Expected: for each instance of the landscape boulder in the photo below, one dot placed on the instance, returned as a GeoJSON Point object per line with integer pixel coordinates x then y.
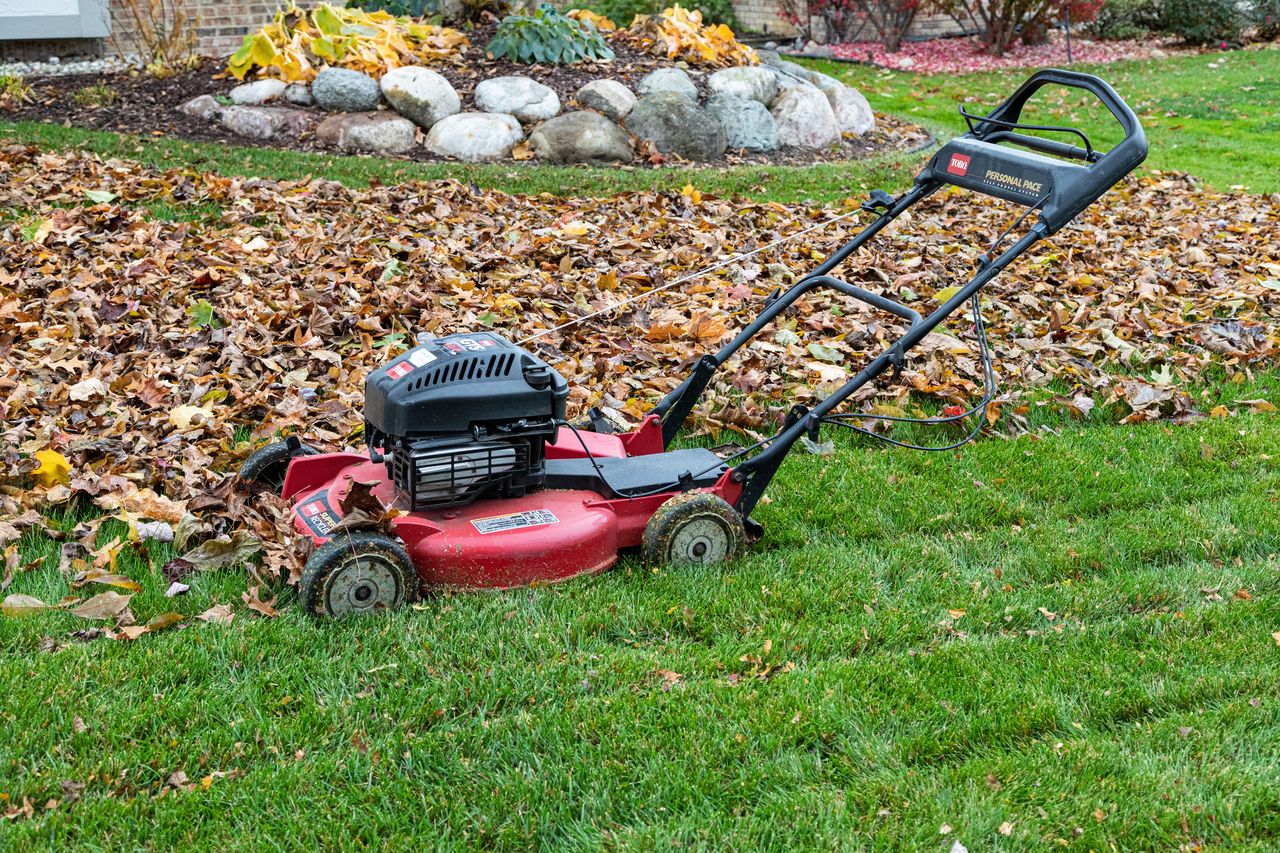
{"type": "Point", "coordinates": [668, 80]}
{"type": "Point", "coordinates": [750, 82]}
{"type": "Point", "coordinates": [852, 111]}
{"type": "Point", "coordinates": [475, 136]}
{"type": "Point", "coordinates": [581, 137]}
{"type": "Point", "coordinates": [525, 98]}
{"type": "Point", "coordinates": [202, 107]}
{"type": "Point", "coordinates": [370, 132]}
{"type": "Point", "coordinates": [299, 94]}
{"type": "Point", "coordinates": [420, 95]}
{"type": "Point", "coordinates": [607, 97]}
{"type": "Point", "coordinates": [747, 123]}
{"type": "Point", "coordinates": [257, 92]}
{"type": "Point", "coordinates": [805, 119]}
{"type": "Point", "coordinates": [677, 125]}
{"type": "Point", "coordinates": [341, 90]}
{"type": "Point", "coordinates": [265, 122]}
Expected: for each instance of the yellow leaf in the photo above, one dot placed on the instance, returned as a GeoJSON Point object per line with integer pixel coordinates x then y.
{"type": "Point", "coordinates": [1220, 412]}
{"type": "Point", "coordinates": [690, 193]}
{"type": "Point", "coordinates": [945, 294]}
{"type": "Point", "coordinates": [186, 417]}
{"type": "Point", "coordinates": [522, 152]}
{"type": "Point", "coordinates": [53, 470]}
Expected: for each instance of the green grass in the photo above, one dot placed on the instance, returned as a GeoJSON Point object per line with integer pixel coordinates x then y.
{"type": "Point", "coordinates": [1218, 123]}
{"type": "Point", "coordinates": [1111, 680]}
{"type": "Point", "coordinates": [1212, 115]}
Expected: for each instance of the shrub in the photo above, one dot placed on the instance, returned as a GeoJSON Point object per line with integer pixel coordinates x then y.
{"type": "Point", "coordinates": [163, 36]}
{"type": "Point", "coordinates": [680, 34]}
{"type": "Point", "coordinates": [1203, 21]}
{"type": "Point", "coordinates": [547, 36]}
{"type": "Point", "coordinates": [624, 12]}
{"type": "Point", "coordinates": [1265, 17]}
{"type": "Point", "coordinates": [999, 23]}
{"type": "Point", "coordinates": [293, 44]}
{"type": "Point", "coordinates": [465, 10]}
{"type": "Point", "coordinates": [1125, 19]}
{"type": "Point", "coordinates": [97, 95]}
{"type": "Point", "coordinates": [13, 90]}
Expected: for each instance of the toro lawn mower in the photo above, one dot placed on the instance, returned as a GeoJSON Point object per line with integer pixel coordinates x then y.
{"type": "Point", "coordinates": [467, 434]}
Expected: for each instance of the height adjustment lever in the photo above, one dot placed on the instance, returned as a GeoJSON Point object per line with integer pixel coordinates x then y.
{"type": "Point", "coordinates": [879, 201]}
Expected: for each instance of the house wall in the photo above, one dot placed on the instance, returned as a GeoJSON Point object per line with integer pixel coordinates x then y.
{"type": "Point", "coordinates": [220, 24]}
{"type": "Point", "coordinates": [763, 16]}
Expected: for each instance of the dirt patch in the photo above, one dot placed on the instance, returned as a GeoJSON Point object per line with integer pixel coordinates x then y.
{"type": "Point", "coordinates": [148, 105]}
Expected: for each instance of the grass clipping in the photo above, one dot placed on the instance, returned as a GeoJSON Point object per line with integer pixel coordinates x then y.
{"type": "Point", "coordinates": [296, 43]}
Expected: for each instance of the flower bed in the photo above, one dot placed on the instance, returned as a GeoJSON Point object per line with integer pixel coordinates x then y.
{"type": "Point", "coordinates": [963, 55]}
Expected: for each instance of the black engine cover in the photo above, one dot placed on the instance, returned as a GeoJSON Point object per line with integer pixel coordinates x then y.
{"type": "Point", "coordinates": [450, 385]}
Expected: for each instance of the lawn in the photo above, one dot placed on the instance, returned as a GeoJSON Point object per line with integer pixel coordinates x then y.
{"type": "Point", "coordinates": [1068, 638]}
{"type": "Point", "coordinates": [1067, 635]}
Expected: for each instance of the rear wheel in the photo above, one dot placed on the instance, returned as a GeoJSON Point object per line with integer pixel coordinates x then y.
{"type": "Point", "coordinates": [358, 573]}
{"type": "Point", "coordinates": [696, 527]}
{"type": "Point", "coordinates": [265, 468]}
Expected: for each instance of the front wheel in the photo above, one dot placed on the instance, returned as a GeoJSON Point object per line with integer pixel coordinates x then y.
{"type": "Point", "coordinates": [361, 572]}
{"type": "Point", "coordinates": [696, 527]}
{"type": "Point", "coordinates": [264, 469]}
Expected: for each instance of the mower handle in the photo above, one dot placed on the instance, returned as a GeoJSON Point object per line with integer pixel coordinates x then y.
{"type": "Point", "coordinates": [1011, 110]}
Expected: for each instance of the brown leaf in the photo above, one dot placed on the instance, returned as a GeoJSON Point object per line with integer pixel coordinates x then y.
{"type": "Point", "coordinates": [256, 604]}
{"type": "Point", "coordinates": [104, 605]}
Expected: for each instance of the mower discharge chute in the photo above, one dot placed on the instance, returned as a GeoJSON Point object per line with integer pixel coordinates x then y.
{"type": "Point", "coordinates": [467, 435]}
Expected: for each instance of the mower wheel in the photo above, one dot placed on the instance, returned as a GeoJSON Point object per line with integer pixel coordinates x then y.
{"type": "Point", "coordinates": [696, 527]}
{"type": "Point", "coordinates": [265, 468]}
{"type": "Point", "coordinates": [361, 572]}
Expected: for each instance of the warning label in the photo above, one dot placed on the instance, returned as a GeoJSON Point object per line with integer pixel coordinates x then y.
{"type": "Point", "coordinates": [316, 513]}
{"type": "Point", "coordinates": [400, 370]}
{"type": "Point", "coordinates": [514, 521]}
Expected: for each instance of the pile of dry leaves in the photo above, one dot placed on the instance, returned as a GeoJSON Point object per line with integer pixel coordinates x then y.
{"type": "Point", "coordinates": [141, 359]}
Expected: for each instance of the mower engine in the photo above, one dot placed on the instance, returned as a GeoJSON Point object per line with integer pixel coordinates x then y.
{"type": "Point", "coordinates": [463, 417]}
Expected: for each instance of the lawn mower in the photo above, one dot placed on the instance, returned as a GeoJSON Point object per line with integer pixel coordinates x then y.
{"type": "Point", "coordinates": [466, 434]}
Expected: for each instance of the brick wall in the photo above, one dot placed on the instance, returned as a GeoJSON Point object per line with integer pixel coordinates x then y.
{"type": "Point", "coordinates": [220, 24]}
{"type": "Point", "coordinates": [764, 16]}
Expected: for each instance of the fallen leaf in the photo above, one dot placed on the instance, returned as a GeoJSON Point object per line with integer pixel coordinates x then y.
{"type": "Point", "coordinates": [53, 470]}
{"type": "Point", "coordinates": [18, 605]}
{"type": "Point", "coordinates": [218, 614]}
{"type": "Point", "coordinates": [104, 605]}
{"type": "Point", "coordinates": [256, 604]}
{"type": "Point", "coordinates": [222, 552]}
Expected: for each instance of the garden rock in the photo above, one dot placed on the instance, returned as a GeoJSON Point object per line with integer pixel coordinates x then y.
{"type": "Point", "coordinates": [373, 132]}
{"type": "Point", "coordinates": [300, 94]}
{"type": "Point", "coordinates": [420, 95]}
{"type": "Point", "coordinates": [750, 82]}
{"type": "Point", "coordinates": [852, 111]}
{"type": "Point", "coordinates": [747, 123]}
{"type": "Point", "coordinates": [265, 122]}
{"type": "Point", "coordinates": [608, 97]}
{"type": "Point", "coordinates": [676, 125]}
{"type": "Point", "coordinates": [257, 92]}
{"type": "Point", "coordinates": [526, 99]}
{"type": "Point", "coordinates": [581, 137]}
{"type": "Point", "coordinates": [805, 119]}
{"type": "Point", "coordinates": [475, 136]}
{"type": "Point", "coordinates": [668, 80]}
{"type": "Point", "coordinates": [341, 90]}
{"type": "Point", "coordinates": [203, 107]}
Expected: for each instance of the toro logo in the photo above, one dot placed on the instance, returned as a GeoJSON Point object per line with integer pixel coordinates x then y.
{"type": "Point", "coordinates": [959, 164]}
{"type": "Point", "coordinates": [397, 371]}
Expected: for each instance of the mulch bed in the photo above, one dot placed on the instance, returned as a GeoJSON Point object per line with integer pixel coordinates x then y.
{"type": "Point", "coordinates": [965, 55]}
{"type": "Point", "coordinates": [148, 105]}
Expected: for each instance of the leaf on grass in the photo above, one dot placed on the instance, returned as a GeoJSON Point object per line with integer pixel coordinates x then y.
{"type": "Point", "coordinates": [220, 553]}
{"type": "Point", "coordinates": [100, 196]}
{"type": "Point", "coordinates": [119, 581]}
{"type": "Point", "coordinates": [218, 614]}
{"type": "Point", "coordinates": [104, 605]}
{"type": "Point", "coordinates": [18, 605]}
{"type": "Point", "coordinates": [254, 602]}
{"type": "Point", "coordinates": [53, 470]}
{"type": "Point", "coordinates": [156, 623]}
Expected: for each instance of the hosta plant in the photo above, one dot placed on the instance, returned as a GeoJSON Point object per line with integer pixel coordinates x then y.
{"type": "Point", "coordinates": [547, 35]}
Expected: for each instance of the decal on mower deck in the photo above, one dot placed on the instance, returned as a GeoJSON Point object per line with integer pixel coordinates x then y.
{"type": "Point", "coordinates": [420, 357]}
{"type": "Point", "coordinates": [317, 514]}
{"type": "Point", "coordinates": [514, 521]}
